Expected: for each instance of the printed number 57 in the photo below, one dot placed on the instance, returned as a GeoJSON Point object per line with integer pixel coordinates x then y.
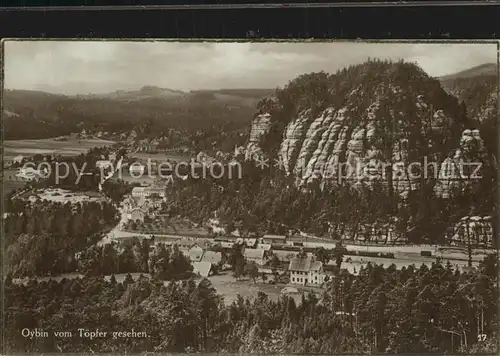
{"type": "Point", "coordinates": [481, 337]}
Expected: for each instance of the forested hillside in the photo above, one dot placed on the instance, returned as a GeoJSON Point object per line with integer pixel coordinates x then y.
{"type": "Point", "coordinates": [382, 310]}
{"type": "Point", "coordinates": [151, 111]}
{"type": "Point", "coordinates": [478, 89]}
{"type": "Point", "coordinates": [372, 114]}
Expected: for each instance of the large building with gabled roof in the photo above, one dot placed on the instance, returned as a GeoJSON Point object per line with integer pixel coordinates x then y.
{"type": "Point", "coordinates": [306, 271]}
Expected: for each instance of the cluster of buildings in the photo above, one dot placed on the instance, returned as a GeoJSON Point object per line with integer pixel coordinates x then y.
{"type": "Point", "coordinates": [204, 260]}
{"type": "Point", "coordinates": [144, 202]}
{"type": "Point", "coordinates": [303, 270]}
{"type": "Point", "coordinates": [205, 254]}
{"type": "Point", "coordinates": [149, 146]}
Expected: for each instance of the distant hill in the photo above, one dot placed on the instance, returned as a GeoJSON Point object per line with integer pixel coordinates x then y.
{"type": "Point", "coordinates": [477, 88]}
{"type": "Point", "coordinates": [146, 92]}
{"type": "Point", "coordinates": [42, 115]}
{"type": "Point", "coordinates": [483, 69]}
{"type": "Point", "coordinates": [231, 96]}
{"type": "Point", "coordinates": [243, 93]}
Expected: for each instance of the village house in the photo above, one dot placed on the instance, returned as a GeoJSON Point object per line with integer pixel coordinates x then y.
{"type": "Point", "coordinates": [155, 201]}
{"type": "Point", "coordinates": [306, 271]}
{"type": "Point", "coordinates": [137, 214]}
{"type": "Point", "coordinates": [226, 241]}
{"type": "Point", "coordinates": [187, 243]}
{"type": "Point", "coordinates": [128, 203]}
{"type": "Point", "coordinates": [265, 247]}
{"type": "Point", "coordinates": [33, 198]}
{"type": "Point", "coordinates": [195, 253]}
{"type": "Point", "coordinates": [274, 239]}
{"type": "Point", "coordinates": [140, 192]}
{"type": "Point", "coordinates": [213, 257]}
{"type": "Point", "coordinates": [103, 164]}
{"type": "Point", "coordinates": [18, 160]}
{"type": "Point", "coordinates": [251, 243]}
{"type": "Point", "coordinates": [132, 136]}
{"type": "Point", "coordinates": [255, 255]}
{"type": "Point", "coordinates": [136, 169]}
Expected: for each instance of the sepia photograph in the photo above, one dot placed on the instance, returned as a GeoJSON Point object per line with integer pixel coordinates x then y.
{"type": "Point", "coordinates": [278, 197]}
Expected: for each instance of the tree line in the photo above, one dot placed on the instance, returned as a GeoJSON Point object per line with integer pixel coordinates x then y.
{"type": "Point", "coordinates": [422, 310]}
{"type": "Point", "coordinates": [267, 201]}
{"type": "Point", "coordinates": [160, 261]}
{"type": "Point", "coordinates": [42, 238]}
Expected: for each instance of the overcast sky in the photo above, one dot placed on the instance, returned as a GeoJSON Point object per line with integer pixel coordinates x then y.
{"type": "Point", "coordinates": [73, 67]}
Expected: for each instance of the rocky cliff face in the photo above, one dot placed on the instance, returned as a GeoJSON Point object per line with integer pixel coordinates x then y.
{"type": "Point", "coordinates": [392, 132]}
{"type": "Point", "coordinates": [260, 126]}
{"type": "Point", "coordinates": [476, 229]}
{"type": "Point", "coordinates": [385, 123]}
{"type": "Point", "coordinates": [465, 166]}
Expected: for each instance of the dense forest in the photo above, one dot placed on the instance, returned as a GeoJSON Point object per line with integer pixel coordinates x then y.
{"type": "Point", "coordinates": [268, 201]}
{"type": "Point", "coordinates": [162, 262]}
{"type": "Point", "coordinates": [480, 94]}
{"type": "Point", "coordinates": [42, 239]}
{"type": "Point", "coordinates": [272, 202]}
{"type": "Point", "coordinates": [413, 310]}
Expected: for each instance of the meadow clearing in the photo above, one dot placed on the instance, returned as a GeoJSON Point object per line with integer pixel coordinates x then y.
{"type": "Point", "coordinates": [27, 148]}
{"type": "Point", "coordinates": [71, 147]}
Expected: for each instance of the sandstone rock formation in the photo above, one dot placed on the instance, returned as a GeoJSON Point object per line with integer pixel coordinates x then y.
{"type": "Point", "coordinates": [476, 229]}
{"type": "Point", "coordinates": [260, 126]}
{"type": "Point", "coordinates": [397, 132]}
{"type": "Point", "coordinates": [464, 166]}
{"type": "Point", "coordinates": [337, 145]}
{"type": "Point", "coordinates": [381, 125]}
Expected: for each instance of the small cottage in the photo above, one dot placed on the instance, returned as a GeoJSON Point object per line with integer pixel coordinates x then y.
{"type": "Point", "coordinates": [213, 257]}
{"type": "Point", "coordinates": [137, 214]}
{"type": "Point", "coordinates": [255, 255]}
{"type": "Point", "coordinates": [195, 253]}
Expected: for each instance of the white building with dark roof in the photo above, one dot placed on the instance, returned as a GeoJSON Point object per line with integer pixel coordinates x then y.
{"type": "Point", "coordinates": [306, 271]}
{"type": "Point", "coordinates": [144, 192]}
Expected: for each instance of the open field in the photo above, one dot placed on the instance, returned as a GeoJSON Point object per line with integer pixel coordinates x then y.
{"type": "Point", "coordinates": [58, 195]}
{"type": "Point", "coordinates": [124, 175]}
{"type": "Point", "coordinates": [227, 286]}
{"type": "Point", "coordinates": [72, 147]}
{"type": "Point", "coordinates": [161, 156]}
